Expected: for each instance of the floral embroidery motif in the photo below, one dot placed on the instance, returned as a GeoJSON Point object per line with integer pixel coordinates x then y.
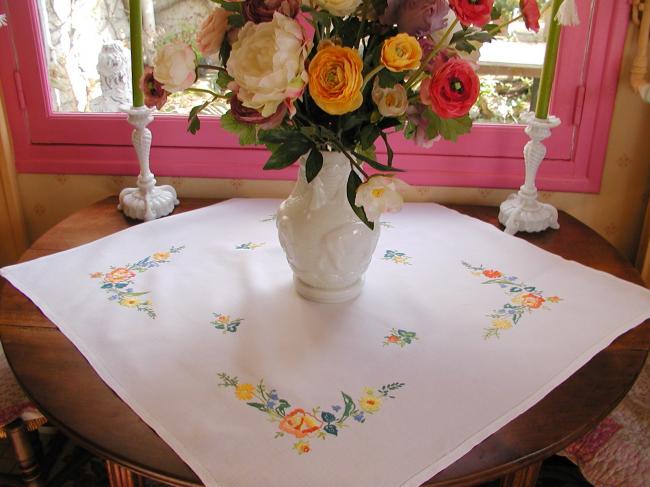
{"type": "Point", "coordinates": [397, 257]}
{"type": "Point", "coordinates": [224, 323]}
{"type": "Point", "coordinates": [249, 246]}
{"type": "Point", "coordinates": [118, 281]}
{"type": "Point", "coordinates": [400, 337]}
{"type": "Point", "coordinates": [524, 299]}
{"type": "Point", "coordinates": [304, 425]}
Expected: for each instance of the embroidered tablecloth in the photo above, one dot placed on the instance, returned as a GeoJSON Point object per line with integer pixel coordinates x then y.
{"type": "Point", "coordinates": [193, 321]}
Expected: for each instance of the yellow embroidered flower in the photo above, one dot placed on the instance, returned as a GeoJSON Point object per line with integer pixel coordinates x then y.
{"type": "Point", "coordinates": [554, 299]}
{"type": "Point", "coordinates": [245, 392]}
{"type": "Point", "coordinates": [223, 319]}
{"type": "Point", "coordinates": [95, 275]}
{"type": "Point", "coordinates": [401, 53]}
{"type": "Point", "coordinates": [335, 79]}
{"type": "Point", "coordinates": [501, 323]}
{"type": "Point", "coordinates": [161, 256]}
{"type": "Point", "coordinates": [302, 447]}
{"type": "Point", "coordinates": [370, 403]}
{"type": "Point", "coordinates": [130, 302]}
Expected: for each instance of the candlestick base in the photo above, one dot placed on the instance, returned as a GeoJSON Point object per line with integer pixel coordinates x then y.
{"type": "Point", "coordinates": [147, 201]}
{"type": "Point", "coordinates": [521, 212]}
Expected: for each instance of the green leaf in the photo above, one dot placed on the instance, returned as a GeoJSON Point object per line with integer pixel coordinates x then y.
{"type": "Point", "coordinates": [246, 132]}
{"type": "Point", "coordinates": [375, 164]}
{"type": "Point", "coordinates": [354, 181]}
{"type": "Point", "coordinates": [388, 79]}
{"type": "Point", "coordinates": [257, 405]}
{"type": "Point", "coordinates": [236, 20]}
{"type": "Point", "coordinates": [452, 128]}
{"type": "Point", "coordinates": [347, 400]}
{"type": "Point", "coordinates": [232, 6]}
{"type": "Point", "coordinates": [389, 149]}
{"type": "Point", "coordinates": [223, 79]}
{"type": "Point", "coordinates": [288, 153]}
{"type": "Point", "coordinates": [277, 136]}
{"type": "Point", "coordinates": [193, 118]}
{"type": "Point", "coordinates": [314, 164]}
{"type": "Point", "coordinates": [496, 13]}
{"type": "Point", "coordinates": [368, 135]}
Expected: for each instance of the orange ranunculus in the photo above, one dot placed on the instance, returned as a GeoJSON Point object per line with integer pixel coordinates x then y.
{"type": "Point", "coordinates": [529, 300]}
{"type": "Point", "coordinates": [119, 274]}
{"type": "Point", "coordinates": [335, 79]}
{"type": "Point", "coordinates": [401, 53]}
{"type": "Point", "coordinates": [299, 423]}
{"type": "Point", "coordinates": [492, 274]}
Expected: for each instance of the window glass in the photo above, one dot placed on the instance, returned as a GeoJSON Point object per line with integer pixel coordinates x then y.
{"type": "Point", "coordinates": [87, 50]}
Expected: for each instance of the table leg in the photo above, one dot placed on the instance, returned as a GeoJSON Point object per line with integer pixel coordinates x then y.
{"type": "Point", "coordinates": [29, 468]}
{"type": "Point", "coordinates": [119, 476]}
{"type": "Point", "coordinates": [525, 477]}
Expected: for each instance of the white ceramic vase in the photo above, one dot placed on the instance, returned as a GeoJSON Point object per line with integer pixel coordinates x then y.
{"type": "Point", "coordinates": [327, 246]}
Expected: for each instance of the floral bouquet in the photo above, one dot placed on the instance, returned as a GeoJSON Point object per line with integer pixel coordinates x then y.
{"type": "Point", "coordinates": [337, 75]}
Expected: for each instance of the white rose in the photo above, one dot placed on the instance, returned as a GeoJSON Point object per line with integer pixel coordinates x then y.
{"type": "Point", "coordinates": [391, 102]}
{"type": "Point", "coordinates": [380, 194]}
{"type": "Point", "coordinates": [174, 67]}
{"type": "Point", "coordinates": [340, 8]}
{"type": "Point", "coordinates": [267, 62]}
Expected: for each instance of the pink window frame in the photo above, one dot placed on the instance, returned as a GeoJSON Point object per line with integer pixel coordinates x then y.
{"type": "Point", "coordinates": [491, 156]}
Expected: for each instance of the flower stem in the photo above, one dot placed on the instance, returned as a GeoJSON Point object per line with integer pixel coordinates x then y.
{"type": "Point", "coordinates": [370, 75]}
{"type": "Point", "coordinates": [206, 91]}
{"type": "Point", "coordinates": [417, 75]}
{"type": "Point", "coordinates": [210, 66]}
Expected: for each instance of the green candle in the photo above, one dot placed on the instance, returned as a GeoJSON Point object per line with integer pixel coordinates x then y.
{"type": "Point", "coordinates": [550, 61]}
{"type": "Point", "coordinates": [137, 65]}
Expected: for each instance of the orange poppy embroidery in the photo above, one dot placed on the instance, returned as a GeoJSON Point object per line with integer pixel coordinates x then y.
{"type": "Point", "coordinates": [524, 298]}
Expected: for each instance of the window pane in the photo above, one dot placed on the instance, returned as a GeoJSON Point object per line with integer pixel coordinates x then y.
{"type": "Point", "coordinates": [509, 69]}
{"type": "Point", "coordinates": [87, 49]}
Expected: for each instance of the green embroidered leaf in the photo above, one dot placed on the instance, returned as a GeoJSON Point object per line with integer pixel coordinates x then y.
{"type": "Point", "coordinates": [314, 164]}
{"type": "Point", "coordinates": [282, 407]}
{"type": "Point", "coordinates": [328, 417]}
{"type": "Point", "coordinates": [257, 405]}
{"type": "Point", "coordinates": [331, 429]}
{"type": "Point", "coordinates": [349, 405]}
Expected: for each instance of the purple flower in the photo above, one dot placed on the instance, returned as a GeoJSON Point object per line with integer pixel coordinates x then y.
{"type": "Point", "coordinates": [416, 17]}
{"type": "Point", "coordinates": [415, 116]}
{"type": "Point", "coordinates": [250, 115]}
{"type": "Point", "coordinates": [259, 11]}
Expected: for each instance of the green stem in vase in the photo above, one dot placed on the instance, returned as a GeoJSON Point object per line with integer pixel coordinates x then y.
{"type": "Point", "coordinates": [550, 63]}
{"type": "Point", "coordinates": [137, 64]}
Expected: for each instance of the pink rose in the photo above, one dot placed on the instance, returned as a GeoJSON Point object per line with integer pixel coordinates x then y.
{"type": "Point", "coordinates": [154, 94]}
{"type": "Point", "coordinates": [212, 31]}
{"type": "Point", "coordinates": [175, 66]}
{"type": "Point", "coordinates": [258, 11]}
{"type": "Point", "coordinates": [472, 12]}
{"type": "Point", "coordinates": [452, 90]}
{"type": "Point", "coordinates": [531, 14]}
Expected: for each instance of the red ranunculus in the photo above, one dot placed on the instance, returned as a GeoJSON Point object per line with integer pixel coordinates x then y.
{"type": "Point", "coordinates": [472, 12]}
{"type": "Point", "coordinates": [452, 90]}
{"type": "Point", "coordinates": [154, 94]}
{"type": "Point", "coordinates": [250, 115]}
{"type": "Point", "coordinates": [531, 14]}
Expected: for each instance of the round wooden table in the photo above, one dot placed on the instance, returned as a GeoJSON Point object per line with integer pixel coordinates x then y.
{"type": "Point", "coordinates": [68, 391]}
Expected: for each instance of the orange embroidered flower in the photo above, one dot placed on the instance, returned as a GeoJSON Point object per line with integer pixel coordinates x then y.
{"type": "Point", "coordinates": [300, 423]}
{"type": "Point", "coordinates": [119, 274]}
{"type": "Point", "coordinates": [532, 301]}
{"type": "Point", "coordinates": [302, 447]}
{"type": "Point", "coordinates": [95, 275]}
{"type": "Point", "coordinates": [161, 256]}
{"type": "Point", "coordinates": [393, 339]}
{"type": "Point", "coordinates": [245, 392]}
{"type": "Point", "coordinates": [491, 273]}
{"type": "Point", "coordinates": [554, 299]}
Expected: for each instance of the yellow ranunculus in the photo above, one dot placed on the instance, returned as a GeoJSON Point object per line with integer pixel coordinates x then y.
{"type": "Point", "coordinates": [401, 53]}
{"type": "Point", "coordinates": [335, 79]}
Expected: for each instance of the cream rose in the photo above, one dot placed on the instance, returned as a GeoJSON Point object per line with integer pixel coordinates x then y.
{"type": "Point", "coordinates": [267, 63]}
{"type": "Point", "coordinates": [340, 8]}
{"type": "Point", "coordinates": [212, 31]}
{"type": "Point", "coordinates": [175, 66]}
{"type": "Point", "coordinates": [391, 102]}
{"type": "Point", "coordinates": [380, 194]}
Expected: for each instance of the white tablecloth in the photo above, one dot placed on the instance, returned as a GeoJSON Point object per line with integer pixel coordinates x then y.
{"type": "Point", "coordinates": [194, 322]}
